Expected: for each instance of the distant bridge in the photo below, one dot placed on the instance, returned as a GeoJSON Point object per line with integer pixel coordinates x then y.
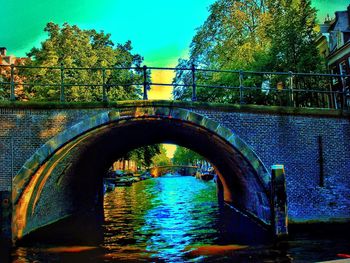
{"type": "Point", "coordinates": [182, 169]}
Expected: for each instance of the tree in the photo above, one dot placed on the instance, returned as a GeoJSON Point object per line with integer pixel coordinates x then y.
{"type": "Point", "coordinates": [143, 156]}
{"type": "Point", "coordinates": [5, 76]}
{"type": "Point", "coordinates": [184, 156]}
{"type": "Point", "coordinates": [230, 38]}
{"type": "Point", "coordinates": [161, 159]}
{"type": "Point", "coordinates": [75, 49]}
{"type": "Point", "coordinates": [293, 29]}
{"type": "Point", "coordinates": [269, 35]}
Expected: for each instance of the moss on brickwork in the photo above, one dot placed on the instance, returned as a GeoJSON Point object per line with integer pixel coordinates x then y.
{"type": "Point", "coordinates": [180, 104]}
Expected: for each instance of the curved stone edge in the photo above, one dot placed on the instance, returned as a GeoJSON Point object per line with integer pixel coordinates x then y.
{"type": "Point", "coordinates": [22, 178]}
{"type": "Point", "coordinates": [231, 137]}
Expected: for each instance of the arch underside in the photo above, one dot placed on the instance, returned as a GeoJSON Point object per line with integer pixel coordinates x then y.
{"type": "Point", "coordinates": [63, 179]}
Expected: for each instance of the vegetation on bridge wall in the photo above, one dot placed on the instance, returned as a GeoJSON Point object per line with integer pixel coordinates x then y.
{"type": "Point", "coordinates": [179, 104]}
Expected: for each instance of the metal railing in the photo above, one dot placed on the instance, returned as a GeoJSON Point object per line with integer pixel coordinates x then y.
{"type": "Point", "coordinates": [235, 86]}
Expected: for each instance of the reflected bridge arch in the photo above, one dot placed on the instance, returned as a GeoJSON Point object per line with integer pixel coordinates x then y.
{"type": "Point", "coordinates": [62, 182]}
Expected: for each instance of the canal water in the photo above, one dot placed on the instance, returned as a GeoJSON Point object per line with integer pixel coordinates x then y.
{"type": "Point", "coordinates": [177, 219]}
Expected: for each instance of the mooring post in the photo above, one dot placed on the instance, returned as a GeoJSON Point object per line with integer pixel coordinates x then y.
{"type": "Point", "coordinates": [279, 201]}
{"type": "Point", "coordinates": [219, 191]}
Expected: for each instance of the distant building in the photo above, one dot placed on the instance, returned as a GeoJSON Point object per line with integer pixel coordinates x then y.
{"type": "Point", "coordinates": [4, 59]}
{"type": "Point", "coordinates": [338, 59]}
{"type": "Point", "coordinates": [323, 38]}
{"type": "Point", "coordinates": [5, 73]}
{"type": "Point", "coordinates": [334, 46]}
{"type": "Point", "coordinates": [125, 165]}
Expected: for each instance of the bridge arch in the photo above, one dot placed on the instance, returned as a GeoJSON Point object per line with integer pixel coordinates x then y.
{"type": "Point", "coordinates": [61, 180]}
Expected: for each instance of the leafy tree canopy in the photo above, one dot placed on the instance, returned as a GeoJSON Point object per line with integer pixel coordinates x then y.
{"type": "Point", "coordinates": [144, 155]}
{"type": "Point", "coordinates": [184, 156]}
{"type": "Point", "coordinates": [250, 35]}
{"type": "Point", "coordinates": [161, 159]}
{"type": "Point", "coordinates": [77, 48]}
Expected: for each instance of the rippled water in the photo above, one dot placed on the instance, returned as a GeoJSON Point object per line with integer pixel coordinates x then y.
{"type": "Point", "coordinates": [177, 219]}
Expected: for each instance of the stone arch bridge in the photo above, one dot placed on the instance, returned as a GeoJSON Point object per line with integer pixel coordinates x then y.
{"type": "Point", "coordinates": [182, 169]}
{"type": "Point", "coordinates": [51, 156]}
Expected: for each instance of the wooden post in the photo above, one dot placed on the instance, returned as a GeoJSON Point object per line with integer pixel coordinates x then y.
{"type": "Point", "coordinates": [279, 216]}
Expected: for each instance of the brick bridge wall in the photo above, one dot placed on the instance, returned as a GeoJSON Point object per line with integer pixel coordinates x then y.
{"type": "Point", "coordinates": [277, 137]}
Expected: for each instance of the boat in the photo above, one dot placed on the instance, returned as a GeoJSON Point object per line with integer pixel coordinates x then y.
{"type": "Point", "coordinates": [206, 175]}
{"type": "Point", "coordinates": [123, 181]}
{"type": "Point", "coordinates": [108, 185]}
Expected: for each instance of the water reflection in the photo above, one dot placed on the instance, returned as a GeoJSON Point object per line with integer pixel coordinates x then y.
{"type": "Point", "coordinates": [161, 216]}
{"type": "Point", "coordinates": [177, 219]}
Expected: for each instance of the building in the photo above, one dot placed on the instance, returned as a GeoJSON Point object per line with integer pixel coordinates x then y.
{"type": "Point", "coordinates": [323, 38]}
{"type": "Point", "coordinates": [338, 59]}
{"type": "Point", "coordinates": [5, 75]}
{"type": "Point", "coordinates": [334, 46]}
{"type": "Point", "coordinates": [4, 59]}
{"type": "Point", "coordinates": [125, 165]}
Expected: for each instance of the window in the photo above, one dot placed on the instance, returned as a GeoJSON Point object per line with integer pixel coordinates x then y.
{"type": "Point", "coordinates": [342, 67]}
{"type": "Point", "coordinates": [334, 71]}
{"type": "Point", "coordinates": [340, 40]}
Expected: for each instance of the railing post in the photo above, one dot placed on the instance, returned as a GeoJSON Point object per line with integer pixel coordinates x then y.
{"type": "Point", "coordinates": [194, 87]}
{"type": "Point", "coordinates": [241, 87]}
{"type": "Point", "coordinates": [145, 83]}
{"type": "Point", "coordinates": [62, 83]}
{"type": "Point", "coordinates": [104, 91]}
{"type": "Point", "coordinates": [343, 99]}
{"type": "Point", "coordinates": [291, 96]}
{"type": "Point", "coordinates": [12, 83]}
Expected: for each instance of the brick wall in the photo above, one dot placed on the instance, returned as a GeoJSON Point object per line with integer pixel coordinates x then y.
{"type": "Point", "coordinates": [22, 132]}
{"type": "Point", "coordinates": [291, 140]}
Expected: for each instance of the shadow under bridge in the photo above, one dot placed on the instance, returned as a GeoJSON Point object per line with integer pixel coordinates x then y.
{"type": "Point", "coordinates": [62, 182]}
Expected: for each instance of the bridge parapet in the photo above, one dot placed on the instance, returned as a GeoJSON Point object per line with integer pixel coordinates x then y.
{"type": "Point", "coordinates": [265, 88]}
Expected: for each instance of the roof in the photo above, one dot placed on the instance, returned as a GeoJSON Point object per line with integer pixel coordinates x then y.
{"type": "Point", "coordinates": [341, 21]}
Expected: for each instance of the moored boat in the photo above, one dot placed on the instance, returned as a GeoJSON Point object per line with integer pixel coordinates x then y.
{"type": "Point", "coordinates": [206, 175]}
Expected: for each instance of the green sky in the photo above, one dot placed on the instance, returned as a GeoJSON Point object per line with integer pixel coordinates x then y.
{"type": "Point", "coordinates": [161, 31]}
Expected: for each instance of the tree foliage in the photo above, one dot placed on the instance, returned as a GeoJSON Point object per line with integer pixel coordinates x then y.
{"type": "Point", "coordinates": [161, 159]}
{"type": "Point", "coordinates": [143, 156]}
{"type": "Point", "coordinates": [75, 48]}
{"type": "Point", "coordinates": [5, 76]}
{"type": "Point", "coordinates": [185, 156]}
{"type": "Point", "coordinates": [250, 35]}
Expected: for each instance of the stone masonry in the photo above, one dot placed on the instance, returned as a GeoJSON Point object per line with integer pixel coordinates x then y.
{"type": "Point", "coordinates": [277, 138]}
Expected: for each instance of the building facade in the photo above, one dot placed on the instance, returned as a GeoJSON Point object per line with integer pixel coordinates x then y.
{"type": "Point", "coordinates": [5, 75]}
{"type": "Point", "coordinates": [334, 46]}
{"type": "Point", "coordinates": [5, 59]}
